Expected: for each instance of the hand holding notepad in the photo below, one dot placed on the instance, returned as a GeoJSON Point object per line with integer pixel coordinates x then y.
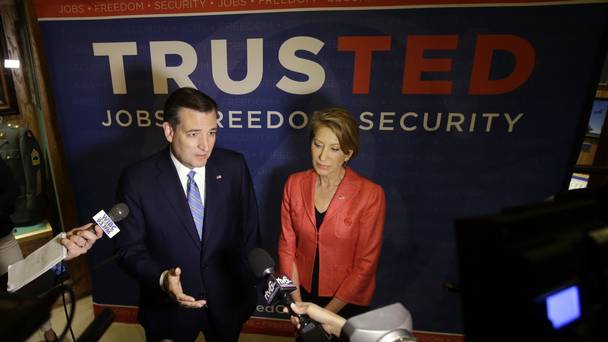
{"type": "Point", "coordinates": [53, 252]}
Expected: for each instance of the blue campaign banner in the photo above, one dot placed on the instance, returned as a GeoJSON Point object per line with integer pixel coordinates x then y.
{"type": "Point", "coordinates": [462, 111]}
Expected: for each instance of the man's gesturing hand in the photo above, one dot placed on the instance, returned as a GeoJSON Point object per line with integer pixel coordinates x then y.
{"type": "Point", "coordinates": [173, 286]}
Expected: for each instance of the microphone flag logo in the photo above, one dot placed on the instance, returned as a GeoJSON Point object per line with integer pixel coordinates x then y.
{"type": "Point", "coordinates": [105, 222]}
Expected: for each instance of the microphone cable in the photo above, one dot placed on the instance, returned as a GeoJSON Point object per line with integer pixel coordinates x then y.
{"type": "Point", "coordinates": [68, 288]}
{"type": "Point", "coordinates": [68, 325]}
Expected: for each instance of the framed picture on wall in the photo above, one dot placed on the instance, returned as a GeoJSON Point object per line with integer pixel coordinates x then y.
{"type": "Point", "coordinates": [597, 117]}
{"type": "Point", "coordinates": [8, 99]}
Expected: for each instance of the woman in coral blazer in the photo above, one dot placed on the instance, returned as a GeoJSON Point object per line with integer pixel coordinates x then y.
{"type": "Point", "coordinates": [332, 221]}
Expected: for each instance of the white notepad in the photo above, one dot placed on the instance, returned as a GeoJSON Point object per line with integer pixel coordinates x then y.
{"type": "Point", "coordinates": [43, 259]}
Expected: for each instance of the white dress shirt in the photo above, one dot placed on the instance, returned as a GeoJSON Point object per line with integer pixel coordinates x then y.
{"type": "Point", "coordinates": [183, 171]}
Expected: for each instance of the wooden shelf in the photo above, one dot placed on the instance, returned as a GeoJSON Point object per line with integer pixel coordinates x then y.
{"type": "Point", "coordinates": [31, 238]}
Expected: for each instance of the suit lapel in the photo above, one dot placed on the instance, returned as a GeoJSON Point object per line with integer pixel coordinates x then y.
{"type": "Point", "coordinates": [346, 192]}
{"type": "Point", "coordinates": [213, 181]}
{"type": "Point", "coordinates": [308, 193]}
{"type": "Point", "coordinates": [174, 193]}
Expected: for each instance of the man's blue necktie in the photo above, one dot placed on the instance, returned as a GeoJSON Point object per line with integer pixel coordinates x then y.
{"type": "Point", "coordinates": [195, 203]}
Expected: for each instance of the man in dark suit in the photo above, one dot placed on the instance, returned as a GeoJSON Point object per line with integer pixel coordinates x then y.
{"type": "Point", "coordinates": [193, 220]}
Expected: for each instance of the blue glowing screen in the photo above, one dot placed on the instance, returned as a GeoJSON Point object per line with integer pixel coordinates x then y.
{"type": "Point", "coordinates": [563, 307]}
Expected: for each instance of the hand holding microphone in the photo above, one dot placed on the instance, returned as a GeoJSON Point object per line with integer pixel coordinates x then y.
{"type": "Point", "coordinates": [331, 322]}
{"type": "Point", "coordinates": [279, 288]}
{"type": "Point", "coordinates": [79, 240]}
{"type": "Point", "coordinates": [65, 246]}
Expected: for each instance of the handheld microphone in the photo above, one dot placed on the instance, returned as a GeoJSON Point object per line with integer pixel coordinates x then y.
{"type": "Point", "coordinates": [279, 288]}
{"type": "Point", "coordinates": [107, 222]}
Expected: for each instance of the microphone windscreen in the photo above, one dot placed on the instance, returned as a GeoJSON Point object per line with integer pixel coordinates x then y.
{"type": "Point", "coordinates": [118, 212]}
{"type": "Point", "coordinates": [260, 261]}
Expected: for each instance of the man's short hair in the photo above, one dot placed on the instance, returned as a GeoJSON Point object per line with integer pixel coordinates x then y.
{"type": "Point", "coordinates": [187, 98]}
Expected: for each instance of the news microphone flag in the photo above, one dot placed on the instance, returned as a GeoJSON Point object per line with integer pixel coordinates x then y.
{"type": "Point", "coordinates": [277, 285]}
{"type": "Point", "coordinates": [105, 222]}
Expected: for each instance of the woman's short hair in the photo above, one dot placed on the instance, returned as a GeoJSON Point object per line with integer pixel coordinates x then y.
{"type": "Point", "coordinates": [341, 122]}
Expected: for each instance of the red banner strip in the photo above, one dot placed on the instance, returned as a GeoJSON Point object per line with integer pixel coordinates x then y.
{"type": "Point", "coordinates": [275, 327]}
{"type": "Point", "coordinates": [118, 8]}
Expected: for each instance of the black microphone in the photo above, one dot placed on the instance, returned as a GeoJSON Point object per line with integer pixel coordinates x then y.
{"type": "Point", "coordinates": [118, 212]}
{"type": "Point", "coordinates": [279, 289]}
{"type": "Point", "coordinates": [107, 222]}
